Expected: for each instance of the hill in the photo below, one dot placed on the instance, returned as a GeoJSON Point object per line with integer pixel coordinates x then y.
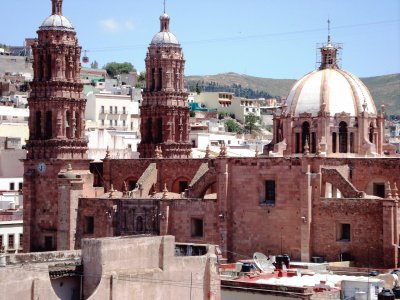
{"type": "Point", "coordinates": [384, 89]}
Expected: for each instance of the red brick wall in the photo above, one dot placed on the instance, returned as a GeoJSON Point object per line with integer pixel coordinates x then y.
{"type": "Point", "coordinates": [365, 219]}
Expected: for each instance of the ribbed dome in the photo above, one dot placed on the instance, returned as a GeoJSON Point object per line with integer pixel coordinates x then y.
{"type": "Point", "coordinates": [339, 90]}
{"type": "Point", "coordinates": [167, 38]}
{"type": "Point", "coordinates": [56, 22]}
{"type": "Point", "coordinates": [164, 37]}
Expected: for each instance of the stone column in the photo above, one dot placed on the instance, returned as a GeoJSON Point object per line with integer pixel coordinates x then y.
{"type": "Point", "coordinates": [389, 240]}
{"type": "Point", "coordinates": [305, 210]}
{"type": "Point", "coordinates": [224, 223]}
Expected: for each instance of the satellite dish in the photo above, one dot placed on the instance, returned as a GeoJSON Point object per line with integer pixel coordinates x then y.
{"type": "Point", "coordinates": [389, 281]}
{"type": "Point", "coordinates": [265, 264]}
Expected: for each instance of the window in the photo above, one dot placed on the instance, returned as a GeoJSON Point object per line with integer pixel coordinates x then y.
{"type": "Point", "coordinates": [11, 241]}
{"type": "Point", "coordinates": [269, 192]}
{"type": "Point", "coordinates": [132, 185]}
{"type": "Point", "coordinates": [196, 227]}
{"type": "Point", "coordinates": [89, 225]}
{"type": "Point", "coordinates": [48, 243]}
{"type": "Point", "coordinates": [342, 137]}
{"type": "Point", "coordinates": [305, 135]}
{"type": "Point", "coordinates": [334, 142]}
{"type": "Point", "coordinates": [12, 186]}
{"type": "Point", "coordinates": [49, 125]}
{"type": "Point", "coordinates": [115, 122]}
{"type": "Point", "coordinates": [379, 189]}
{"type": "Point", "coordinates": [102, 122]}
{"type": "Point", "coordinates": [183, 185]}
{"type": "Point", "coordinates": [21, 240]}
{"type": "Point", "coordinates": [111, 111]}
{"type": "Point", "coordinates": [343, 232]}
{"type": "Point", "coordinates": [124, 110]}
{"type": "Point", "coordinates": [115, 110]}
{"type": "Point", "coordinates": [20, 186]}
{"type": "Point", "coordinates": [297, 142]}
{"type": "Point", "coordinates": [123, 123]}
{"type": "Point", "coordinates": [110, 122]}
{"type": "Point", "coordinates": [1, 242]}
{"type": "Point", "coordinates": [102, 109]}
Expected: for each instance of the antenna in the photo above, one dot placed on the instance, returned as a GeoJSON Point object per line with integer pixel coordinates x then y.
{"type": "Point", "coordinates": [164, 6]}
{"type": "Point", "coordinates": [329, 30]}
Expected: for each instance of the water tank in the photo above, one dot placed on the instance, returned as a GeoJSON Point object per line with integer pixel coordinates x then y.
{"type": "Point", "coordinates": [386, 295]}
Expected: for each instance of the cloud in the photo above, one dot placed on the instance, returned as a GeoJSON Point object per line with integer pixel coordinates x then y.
{"type": "Point", "coordinates": [112, 25]}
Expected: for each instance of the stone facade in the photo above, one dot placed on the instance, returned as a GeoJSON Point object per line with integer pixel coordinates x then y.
{"type": "Point", "coordinates": [226, 203]}
{"type": "Point", "coordinates": [56, 132]}
{"type": "Point", "coordinates": [115, 268]}
{"type": "Point", "coordinates": [303, 204]}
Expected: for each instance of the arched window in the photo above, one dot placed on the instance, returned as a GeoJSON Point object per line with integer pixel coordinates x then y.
{"type": "Point", "coordinates": [159, 130]}
{"type": "Point", "coordinates": [297, 142]}
{"type": "Point", "coordinates": [78, 125]}
{"type": "Point", "coordinates": [342, 137]}
{"type": "Point", "coordinates": [305, 135]}
{"type": "Point", "coordinates": [334, 142]}
{"type": "Point", "coordinates": [153, 80]}
{"type": "Point", "coordinates": [371, 132]}
{"type": "Point", "coordinates": [149, 129]}
{"type": "Point", "coordinates": [68, 125]}
{"type": "Point", "coordinates": [160, 77]}
{"type": "Point", "coordinates": [38, 125]}
{"type": "Point", "coordinates": [313, 142]}
{"type": "Point", "coordinates": [49, 125]}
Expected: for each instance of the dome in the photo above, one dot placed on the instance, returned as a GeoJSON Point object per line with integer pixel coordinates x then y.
{"type": "Point", "coordinates": [341, 91]}
{"type": "Point", "coordinates": [56, 22]}
{"type": "Point", "coordinates": [164, 38]}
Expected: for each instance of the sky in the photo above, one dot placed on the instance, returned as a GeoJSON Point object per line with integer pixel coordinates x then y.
{"type": "Point", "coordinates": [264, 38]}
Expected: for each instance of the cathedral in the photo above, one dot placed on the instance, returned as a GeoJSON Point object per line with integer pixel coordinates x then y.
{"type": "Point", "coordinates": [326, 187]}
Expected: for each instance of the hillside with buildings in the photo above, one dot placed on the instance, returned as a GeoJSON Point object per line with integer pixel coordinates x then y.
{"type": "Point", "coordinates": [384, 89]}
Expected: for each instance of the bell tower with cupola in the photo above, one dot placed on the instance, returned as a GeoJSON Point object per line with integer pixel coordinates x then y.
{"type": "Point", "coordinates": [56, 103]}
{"type": "Point", "coordinates": [56, 134]}
{"type": "Point", "coordinates": [164, 111]}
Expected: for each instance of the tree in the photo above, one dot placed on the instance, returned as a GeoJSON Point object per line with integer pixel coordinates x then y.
{"type": "Point", "coordinates": [251, 122]}
{"type": "Point", "coordinates": [198, 90]}
{"type": "Point", "coordinates": [141, 80]}
{"type": "Point", "coordinates": [222, 115]}
{"type": "Point", "coordinates": [232, 126]}
{"type": "Point", "coordinates": [113, 68]}
{"type": "Point", "coordinates": [94, 65]}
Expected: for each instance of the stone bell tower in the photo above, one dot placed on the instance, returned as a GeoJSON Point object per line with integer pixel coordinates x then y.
{"type": "Point", "coordinates": [56, 129]}
{"type": "Point", "coordinates": [56, 103]}
{"type": "Point", "coordinates": [164, 111]}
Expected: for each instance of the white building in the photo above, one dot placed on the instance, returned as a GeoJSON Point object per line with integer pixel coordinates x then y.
{"type": "Point", "coordinates": [227, 102]}
{"type": "Point", "coordinates": [107, 110]}
{"type": "Point", "coordinates": [119, 144]}
{"type": "Point", "coordinates": [11, 231]}
{"type": "Point", "coordinates": [10, 114]}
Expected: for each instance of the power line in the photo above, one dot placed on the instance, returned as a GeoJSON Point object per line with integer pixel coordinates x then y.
{"type": "Point", "coordinates": [245, 37]}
